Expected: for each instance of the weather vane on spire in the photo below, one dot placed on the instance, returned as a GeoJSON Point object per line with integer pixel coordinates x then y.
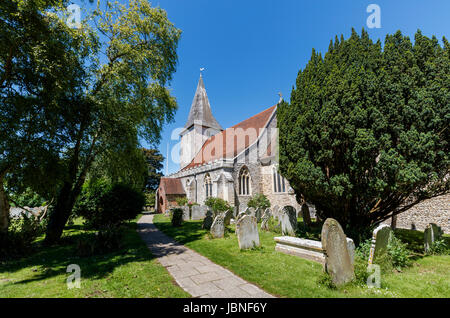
{"type": "Point", "coordinates": [201, 70]}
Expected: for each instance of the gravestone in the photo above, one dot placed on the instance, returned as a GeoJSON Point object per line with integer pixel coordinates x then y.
{"type": "Point", "coordinates": [275, 211]}
{"type": "Point", "coordinates": [288, 221]}
{"type": "Point", "coordinates": [306, 215]}
{"type": "Point", "coordinates": [337, 259]}
{"type": "Point", "coordinates": [258, 215]}
{"type": "Point", "coordinates": [240, 215]}
{"type": "Point", "coordinates": [265, 220]}
{"type": "Point", "coordinates": [351, 249]}
{"type": "Point", "coordinates": [185, 213]}
{"type": "Point", "coordinates": [380, 240]}
{"type": "Point", "coordinates": [251, 211]}
{"type": "Point", "coordinates": [431, 234]}
{"type": "Point", "coordinates": [218, 227]}
{"type": "Point", "coordinates": [199, 212]}
{"type": "Point", "coordinates": [208, 221]}
{"type": "Point", "coordinates": [247, 232]}
{"type": "Point", "coordinates": [235, 212]}
{"type": "Point", "coordinates": [227, 217]}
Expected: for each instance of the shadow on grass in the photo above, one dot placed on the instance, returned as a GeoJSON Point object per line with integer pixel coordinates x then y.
{"type": "Point", "coordinates": [188, 232]}
{"type": "Point", "coordinates": [52, 261]}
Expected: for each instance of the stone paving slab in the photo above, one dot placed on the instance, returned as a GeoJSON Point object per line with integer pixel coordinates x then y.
{"type": "Point", "coordinates": [193, 272]}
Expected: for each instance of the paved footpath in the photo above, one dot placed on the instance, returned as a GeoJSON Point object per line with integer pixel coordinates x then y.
{"type": "Point", "coordinates": [195, 273]}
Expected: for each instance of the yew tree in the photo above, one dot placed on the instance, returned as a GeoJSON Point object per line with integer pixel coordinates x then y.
{"type": "Point", "coordinates": [366, 133]}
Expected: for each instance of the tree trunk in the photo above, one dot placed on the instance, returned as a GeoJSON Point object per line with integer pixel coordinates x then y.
{"type": "Point", "coordinates": [394, 222]}
{"type": "Point", "coordinates": [61, 213]}
{"type": "Point", "coordinates": [4, 208]}
{"type": "Point", "coordinates": [306, 215]}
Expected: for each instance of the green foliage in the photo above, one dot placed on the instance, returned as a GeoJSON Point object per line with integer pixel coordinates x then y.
{"type": "Point", "coordinates": [398, 255]}
{"type": "Point", "coordinates": [154, 161]}
{"type": "Point", "coordinates": [360, 267]}
{"type": "Point", "coordinates": [274, 225]}
{"type": "Point", "coordinates": [368, 127]}
{"type": "Point", "coordinates": [28, 198]}
{"type": "Point", "coordinates": [181, 201]}
{"type": "Point", "coordinates": [439, 247]}
{"type": "Point", "coordinates": [176, 217]}
{"type": "Point", "coordinates": [104, 205]}
{"type": "Point", "coordinates": [22, 232]}
{"type": "Point", "coordinates": [217, 205]}
{"type": "Point", "coordinates": [149, 198]}
{"type": "Point", "coordinates": [259, 200]}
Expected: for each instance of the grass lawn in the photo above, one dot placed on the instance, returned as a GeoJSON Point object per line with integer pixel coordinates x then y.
{"type": "Point", "coordinates": [130, 272]}
{"type": "Point", "coordinates": [290, 276]}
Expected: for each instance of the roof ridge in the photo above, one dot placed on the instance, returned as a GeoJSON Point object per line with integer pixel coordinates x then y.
{"type": "Point", "coordinates": [271, 109]}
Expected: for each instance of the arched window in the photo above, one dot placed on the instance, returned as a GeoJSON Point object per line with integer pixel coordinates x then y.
{"type": "Point", "coordinates": [208, 185]}
{"type": "Point", "coordinates": [244, 182]}
{"type": "Point", "coordinates": [279, 183]}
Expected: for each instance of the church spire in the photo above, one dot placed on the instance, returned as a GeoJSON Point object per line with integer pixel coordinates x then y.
{"type": "Point", "coordinates": [200, 113]}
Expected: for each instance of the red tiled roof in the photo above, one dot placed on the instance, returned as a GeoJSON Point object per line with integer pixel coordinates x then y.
{"type": "Point", "coordinates": [172, 186]}
{"type": "Point", "coordinates": [217, 146]}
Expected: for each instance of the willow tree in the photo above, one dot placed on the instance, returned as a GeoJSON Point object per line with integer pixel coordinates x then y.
{"type": "Point", "coordinates": [366, 134]}
{"type": "Point", "coordinates": [126, 100]}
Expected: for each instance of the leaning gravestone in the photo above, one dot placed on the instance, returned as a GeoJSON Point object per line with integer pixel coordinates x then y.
{"type": "Point", "coordinates": [305, 214]}
{"type": "Point", "coordinates": [227, 217]}
{"type": "Point", "coordinates": [185, 213]}
{"type": "Point", "coordinates": [337, 259]}
{"type": "Point", "coordinates": [351, 249]}
{"type": "Point", "coordinates": [265, 220]}
{"type": "Point", "coordinates": [288, 221]}
{"type": "Point", "coordinates": [199, 212]}
{"type": "Point", "coordinates": [380, 240]}
{"type": "Point", "coordinates": [240, 215]}
{"type": "Point", "coordinates": [251, 211]}
{"type": "Point", "coordinates": [432, 234]}
{"type": "Point", "coordinates": [258, 215]}
{"type": "Point", "coordinates": [275, 211]}
{"type": "Point", "coordinates": [207, 221]}
{"type": "Point", "coordinates": [247, 232]}
{"type": "Point", "coordinates": [235, 212]}
{"type": "Point", "coordinates": [218, 227]}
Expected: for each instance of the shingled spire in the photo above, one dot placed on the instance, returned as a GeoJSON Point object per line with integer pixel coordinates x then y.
{"type": "Point", "coordinates": [200, 113]}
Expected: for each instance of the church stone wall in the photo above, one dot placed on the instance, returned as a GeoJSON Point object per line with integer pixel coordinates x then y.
{"type": "Point", "coordinates": [435, 210]}
{"type": "Point", "coordinates": [280, 199]}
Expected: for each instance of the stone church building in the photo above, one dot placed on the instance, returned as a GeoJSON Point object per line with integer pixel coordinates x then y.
{"type": "Point", "coordinates": [237, 162]}
{"type": "Point", "coordinates": [232, 164]}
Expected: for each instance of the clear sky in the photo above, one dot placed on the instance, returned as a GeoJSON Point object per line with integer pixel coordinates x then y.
{"type": "Point", "coordinates": [252, 50]}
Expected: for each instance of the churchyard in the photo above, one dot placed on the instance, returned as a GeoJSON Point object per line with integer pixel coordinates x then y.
{"type": "Point", "coordinates": [298, 265]}
{"type": "Point", "coordinates": [130, 271]}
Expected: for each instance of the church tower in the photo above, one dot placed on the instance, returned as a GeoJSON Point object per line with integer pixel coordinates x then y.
{"type": "Point", "coordinates": [200, 126]}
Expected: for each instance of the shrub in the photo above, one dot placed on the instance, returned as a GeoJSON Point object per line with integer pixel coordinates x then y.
{"type": "Point", "coordinates": [217, 205]}
{"type": "Point", "coordinates": [181, 201]}
{"type": "Point", "coordinates": [439, 247]}
{"type": "Point", "coordinates": [397, 254]}
{"type": "Point", "coordinates": [176, 217]}
{"type": "Point", "coordinates": [274, 225]}
{"type": "Point", "coordinates": [149, 198]}
{"type": "Point", "coordinates": [103, 205]}
{"type": "Point", "coordinates": [22, 232]}
{"type": "Point", "coordinates": [259, 200]}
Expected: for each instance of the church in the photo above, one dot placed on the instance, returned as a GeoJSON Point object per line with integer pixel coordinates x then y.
{"type": "Point", "coordinates": [240, 161]}
{"type": "Point", "coordinates": [232, 164]}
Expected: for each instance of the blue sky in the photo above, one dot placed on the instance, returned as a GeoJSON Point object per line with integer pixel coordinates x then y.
{"type": "Point", "coordinates": [254, 49]}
